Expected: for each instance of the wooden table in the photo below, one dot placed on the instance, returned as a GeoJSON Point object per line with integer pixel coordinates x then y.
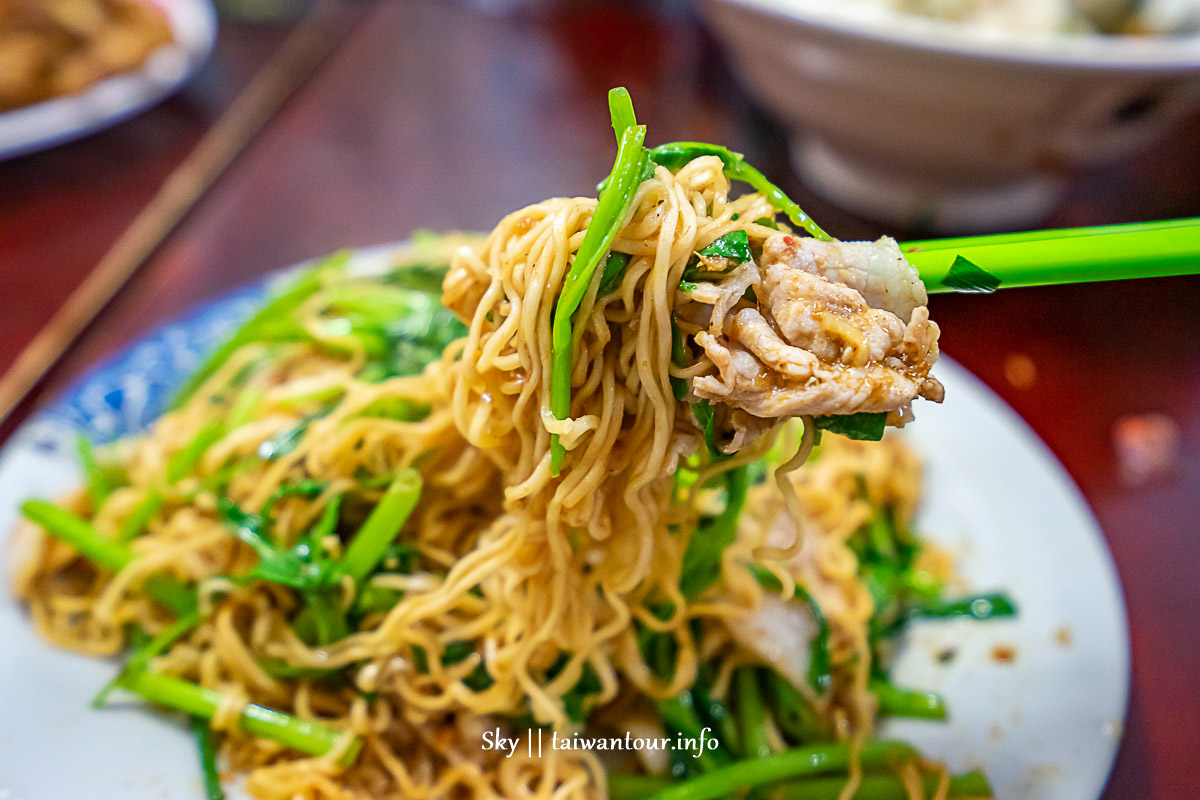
{"type": "Point", "coordinates": [439, 117]}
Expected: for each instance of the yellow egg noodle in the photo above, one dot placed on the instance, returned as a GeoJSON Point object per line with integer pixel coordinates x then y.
{"type": "Point", "coordinates": [536, 600]}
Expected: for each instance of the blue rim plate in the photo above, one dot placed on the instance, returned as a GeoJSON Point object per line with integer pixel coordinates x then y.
{"type": "Point", "coordinates": [1045, 725]}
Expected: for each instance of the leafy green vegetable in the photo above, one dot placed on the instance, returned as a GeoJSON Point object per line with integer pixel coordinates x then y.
{"type": "Point", "coordinates": [863, 426]}
{"type": "Point", "coordinates": [675, 155]}
{"type": "Point", "coordinates": [286, 440]}
{"type": "Point", "coordinates": [794, 717]}
{"type": "Point", "coordinates": [820, 668]}
{"type": "Point", "coordinates": [308, 488]}
{"type": "Point", "coordinates": [680, 715]}
{"type": "Point", "coordinates": [272, 322]}
{"type": "Point", "coordinates": [734, 245]}
{"type": "Point", "coordinates": [980, 607]}
{"type": "Point", "coordinates": [702, 558]}
{"type": "Point", "coordinates": [679, 356]}
{"type": "Point", "coordinates": [706, 416]}
{"type": "Point", "coordinates": [148, 651]}
{"type": "Point", "coordinates": [104, 552]}
{"type": "Point", "coordinates": [206, 744]}
{"type": "Point", "coordinates": [369, 546]}
{"type": "Point", "coordinates": [823, 759]}
{"type": "Point", "coordinates": [295, 567]}
{"type": "Point", "coordinates": [967, 276]}
{"type": "Point", "coordinates": [183, 462]}
{"type": "Point", "coordinates": [611, 211]}
{"type": "Point", "coordinates": [752, 714]}
{"type": "Point", "coordinates": [308, 737]}
{"type": "Point", "coordinates": [134, 524]}
{"type": "Point", "coordinates": [615, 267]}
{"type": "Point", "coordinates": [99, 482]}
{"type": "Point", "coordinates": [897, 702]}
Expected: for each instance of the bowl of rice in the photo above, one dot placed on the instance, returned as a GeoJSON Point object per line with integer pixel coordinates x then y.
{"type": "Point", "coordinates": [957, 115]}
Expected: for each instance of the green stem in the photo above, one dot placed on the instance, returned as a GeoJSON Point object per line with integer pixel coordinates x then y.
{"type": "Point", "coordinates": [80, 534]}
{"type": "Point", "coordinates": [882, 787]}
{"type": "Point", "coordinates": [141, 659]}
{"type": "Point", "coordinates": [623, 786]}
{"type": "Point", "coordinates": [751, 714]}
{"type": "Point", "coordinates": [134, 524]}
{"type": "Point", "coordinates": [368, 546]}
{"type": "Point", "coordinates": [790, 765]}
{"type": "Point", "coordinates": [675, 154]}
{"type": "Point", "coordinates": [611, 210]}
{"type": "Point", "coordinates": [183, 462]}
{"type": "Point", "coordinates": [1075, 255]}
{"type": "Point", "coordinates": [206, 744]}
{"type": "Point", "coordinates": [104, 552]}
{"type": "Point", "coordinates": [794, 716]}
{"type": "Point", "coordinates": [679, 713]}
{"type": "Point", "coordinates": [897, 702]}
{"type": "Point", "coordinates": [98, 485]}
{"type": "Point", "coordinates": [872, 787]}
{"type": "Point", "coordinates": [980, 607]}
{"type": "Point", "coordinates": [312, 738]}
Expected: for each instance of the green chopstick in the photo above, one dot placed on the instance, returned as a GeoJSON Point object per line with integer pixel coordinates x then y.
{"type": "Point", "coordinates": [1074, 255]}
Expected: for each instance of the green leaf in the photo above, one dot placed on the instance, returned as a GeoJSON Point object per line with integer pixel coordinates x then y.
{"type": "Point", "coordinates": [702, 558]}
{"type": "Point", "coordinates": [734, 245]}
{"type": "Point", "coordinates": [615, 267]}
{"type": "Point", "coordinates": [967, 276]}
{"type": "Point", "coordinates": [863, 427]}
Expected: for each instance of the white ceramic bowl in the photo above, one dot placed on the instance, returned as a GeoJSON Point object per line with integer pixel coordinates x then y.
{"type": "Point", "coordinates": [925, 123]}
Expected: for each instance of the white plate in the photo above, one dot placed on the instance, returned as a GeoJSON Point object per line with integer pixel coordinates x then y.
{"type": "Point", "coordinates": [51, 122]}
{"type": "Point", "coordinates": [1044, 727]}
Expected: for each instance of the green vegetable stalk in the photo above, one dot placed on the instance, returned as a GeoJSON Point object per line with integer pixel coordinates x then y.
{"type": "Point", "coordinates": [105, 552]}
{"type": "Point", "coordinates": [611, 211]}
{"type": "Point", "coordinates": [788, 766]}
{"type": "Point", "coordinates": [369, 545]}
{"type": "Point", "coordinates": [312, 738]}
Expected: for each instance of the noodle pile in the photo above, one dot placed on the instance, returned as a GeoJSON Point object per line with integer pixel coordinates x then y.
{"type": "Point", "coordinates": [545, 588]}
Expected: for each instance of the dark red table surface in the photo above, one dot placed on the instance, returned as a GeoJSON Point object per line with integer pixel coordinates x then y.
{"type": "Point", "coordinates": [437, 116]}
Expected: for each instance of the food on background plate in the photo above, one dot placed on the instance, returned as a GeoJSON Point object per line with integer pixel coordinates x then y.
{"type": "Point", "coordinates": [51, 48]}
{"type": "Point", "coordinates": [613, 479]}
{"type": "Point", "coordinates": [1058, 16]}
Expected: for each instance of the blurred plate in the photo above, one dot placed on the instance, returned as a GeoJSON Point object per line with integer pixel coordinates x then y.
{"type": "Point", "coordinates": [1044, 725]}
{"type": "Point", "coordinates": [62, 119]}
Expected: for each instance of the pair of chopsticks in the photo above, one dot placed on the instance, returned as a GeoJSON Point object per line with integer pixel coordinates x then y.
{"type": "Point", "coordinates": [295, 60]}
{"type": "Point", "coordinates": [1041, 258]}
